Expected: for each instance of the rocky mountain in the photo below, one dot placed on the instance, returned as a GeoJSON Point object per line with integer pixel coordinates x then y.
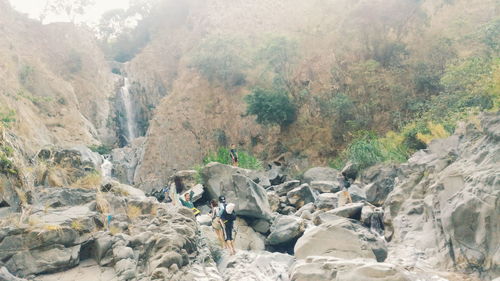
{"type": "Point", "coordinates": [90, 131]}
{"type": "Point", "coordinates": [55, 81]}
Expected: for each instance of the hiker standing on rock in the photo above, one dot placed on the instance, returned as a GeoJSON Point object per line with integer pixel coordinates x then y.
{"type": "Point", "coordinates": [228, 217]}
{"type": "Point", "coordinates": [217, 223]}
{"type": "Point", "coordinates": [234, 155]}
{"type": "Point", "coordinates": [345, 196]}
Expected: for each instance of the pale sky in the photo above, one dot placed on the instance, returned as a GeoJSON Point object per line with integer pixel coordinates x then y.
{"type": "Point", "coordinates": [34, 7]}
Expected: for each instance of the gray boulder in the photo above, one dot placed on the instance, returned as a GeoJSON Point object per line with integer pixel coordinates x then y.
{"type": "Point", "coordinates": [249, 197]}
{"type": "Point", "coordinates": [285, 187]}
{"type": "Point", "coordinates": [379, 181]}
{"type": "Point", "coordinates": [285, 229]}
{"type": "Point", "coordinates": [300, 196]}
{"type": "Point", "coordinates": [43, 260]}
{"type": "Point", "coordinates": [326, 186]}
{"type": "Point", "coordinates": [326, 201]}
{"type": "Point", "coordinates": [351, 211]}
{"type": "Point", "coordinates": [321, 174]}
{"type": "Point", "coordinates": [261, 226]}
{"type": "Point", "coordinates": [351, 241]}
{"type": "Point", "coordinates": [357, 193]}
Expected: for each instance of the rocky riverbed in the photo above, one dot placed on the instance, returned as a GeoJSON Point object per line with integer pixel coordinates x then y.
{"type": "Point", "coordinates": [435, 217]}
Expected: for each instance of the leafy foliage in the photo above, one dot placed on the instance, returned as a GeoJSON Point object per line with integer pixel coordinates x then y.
{"type": "Point", "coordinates": [271, 108]}
{"type": "Point", "coordinates": [101, 149]}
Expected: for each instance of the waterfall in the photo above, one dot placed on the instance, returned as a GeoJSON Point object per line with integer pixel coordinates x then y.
{"type": "Point", "coordinates": [128, 111]}
{"type": "Point", "coordinates": [376, 222]}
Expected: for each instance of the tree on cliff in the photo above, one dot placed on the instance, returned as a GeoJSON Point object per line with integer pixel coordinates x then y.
{"type": "Point", "coordinates": [271, 108]}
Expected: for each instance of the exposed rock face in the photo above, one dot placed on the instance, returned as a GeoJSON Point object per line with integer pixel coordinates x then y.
{"type": "Point", "coordinates": [351, 241]}
{"type": "Point", "coordinates": [445, 206]}
{"type": "Point", "coordinates": [262, 266]}
{"type": "Point", "coordinates": [326, 186]}
{"type": "Point", "coordinates": [125, 161]}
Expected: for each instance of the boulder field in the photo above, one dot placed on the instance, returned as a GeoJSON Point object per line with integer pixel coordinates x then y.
{"type": "Point", "coordinates": [435, 217]}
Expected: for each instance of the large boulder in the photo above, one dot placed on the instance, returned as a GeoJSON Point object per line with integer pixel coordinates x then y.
{"type": "Point", "coordinates": [358, 194]}
{"type": "Point", "coordinates": [321, 174]}
{"type": "Point", "coordinates": [247, 238]}
{"type": "Point", "coordinates": [43, 260]}
{"type": "Point", "coordinates": [379, 181]}
{"type": "Point", "coordinates": [326, 201]}
{"type": "Point", "coordinates": [285, 229]}
{"type": "Point", "coordinates": [239, 187]}
{"type": "Point", "coordinates": [285, 187]}
{"type": "Point", "coordinates": [249, 197]}
{"type": "Point", "coordinates": [300, 196]}
{"type": "Point", "coordinates": [326, 186]}
{"type": "Point", "coordinates": [341, 238]}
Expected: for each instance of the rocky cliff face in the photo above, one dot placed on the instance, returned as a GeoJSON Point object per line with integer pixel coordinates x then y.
{"type": "Point", "coordinates": [55, 81]}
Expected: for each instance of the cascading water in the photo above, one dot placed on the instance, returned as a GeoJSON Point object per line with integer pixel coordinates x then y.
{"type": "Point", "coordinates": [376, 222]}
{"type": "Point", "coordinates": [129, 119]}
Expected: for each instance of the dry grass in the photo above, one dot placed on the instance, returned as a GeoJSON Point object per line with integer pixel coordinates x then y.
{"type": "Point", "coordinates": [103, 205]}
{"type": "Point", "coordinates": [22, 197]}
{"type": "Point", "coordinates": [92, 180]}
{"type": "Point", "coordinates": [77, 225]}
{"type": "Point", "coordinates": [437, 131]}
{"type": "Point", "coordinates": [133, 212]}
{"type": "Point", "coordinates": [114, 230]}
{"type": "Point", "coordinates": [120, 191]}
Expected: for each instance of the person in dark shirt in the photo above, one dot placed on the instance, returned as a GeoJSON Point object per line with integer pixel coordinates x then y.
{"type": "Point", "coordinates": [234, 155]}
{"type": "Point", "coordinates": [228, 216]}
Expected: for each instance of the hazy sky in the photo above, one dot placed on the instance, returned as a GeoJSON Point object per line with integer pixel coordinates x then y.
{"type": "Point", "coordinates": [34, 7]}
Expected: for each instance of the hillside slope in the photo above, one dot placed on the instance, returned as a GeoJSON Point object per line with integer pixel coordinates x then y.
{"type": "Point", "coordinates": [347, 65]}
{"type": "Point", "coordinates": [55, 83]}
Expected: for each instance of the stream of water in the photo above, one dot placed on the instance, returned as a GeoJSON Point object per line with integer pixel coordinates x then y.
{"type": "Point", "coordinates": [128, 111]}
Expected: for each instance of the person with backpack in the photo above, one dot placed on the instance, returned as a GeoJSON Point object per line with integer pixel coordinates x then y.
{"type": "Point", "coordinates": [217, 223]}
{"type": "Point", "coordinates": [228, 216]}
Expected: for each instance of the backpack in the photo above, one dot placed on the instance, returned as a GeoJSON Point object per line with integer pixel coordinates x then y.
{"type": "Point", "coordinates": [225, 216]}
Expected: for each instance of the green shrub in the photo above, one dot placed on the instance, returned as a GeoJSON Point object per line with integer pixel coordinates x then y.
{"type": "Point", "coordinates": [101, 149]}
{"type": "Point", "coordinates": [245, 160]}
{"type": "Point", "coordinates": [365, 150]}
{"type": "Point", "coordinates": [271, 108]}
{"type": "Point", "coordinates": [7, 117]}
